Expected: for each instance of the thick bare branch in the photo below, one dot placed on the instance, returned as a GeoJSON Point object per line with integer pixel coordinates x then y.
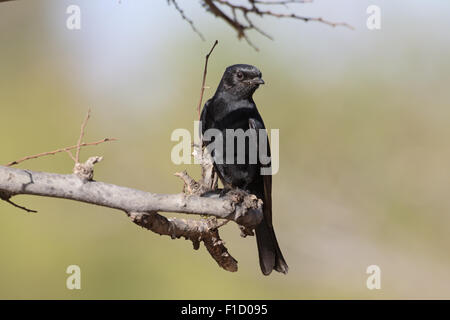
{"type": "Point", "coordinates": [245, 209]}
{"type": "Point", "coordinates": [142, 207]}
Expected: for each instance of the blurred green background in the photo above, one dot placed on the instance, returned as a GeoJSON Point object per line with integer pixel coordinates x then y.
{"type": "Point", "coordinates": [364, 123]}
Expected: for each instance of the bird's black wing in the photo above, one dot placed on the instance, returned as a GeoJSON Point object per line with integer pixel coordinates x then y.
{"type": "Point", "coordinates": [257, 124]}
{"type": "Point", "coordinates": [203, 118]}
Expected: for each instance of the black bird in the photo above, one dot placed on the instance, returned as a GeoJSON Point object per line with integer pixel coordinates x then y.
{"type": "Point", "coordinates": [232, 107]}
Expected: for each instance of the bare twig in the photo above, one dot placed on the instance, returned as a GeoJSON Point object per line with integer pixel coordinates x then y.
{"type": "Point", "coordinates": [83, 127]}
{"type": "Point", "coordinates": [184, 17]}
{"type": "Point", "coordinates": [71, 155]}
{"type": "Point", "coordinates": [5, 196]}
{"type": "Point", "coordinates": [67, 149]}
{"type": "Point", "coordinates": [243, 22]}
{"type": "Point", "coordinates": [20, 207]}
{"type": "Point", "coordinates": [209, 180]}
{"type": "Point", "coordinates": [205, 70]}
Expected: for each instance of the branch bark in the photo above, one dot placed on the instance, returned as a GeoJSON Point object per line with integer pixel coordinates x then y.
{"type": "Point", "coordinates": [244, 209]}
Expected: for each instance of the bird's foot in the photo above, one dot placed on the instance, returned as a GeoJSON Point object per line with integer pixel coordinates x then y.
{"type": "Point", "coordinates": [245, 231]}
{"type": "Point", "coordinates": [238, 195]}
{"type": "Point", "coordinates": [224, 192]}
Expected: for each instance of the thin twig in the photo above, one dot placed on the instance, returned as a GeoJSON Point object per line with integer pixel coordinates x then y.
{"type": "Point", "coordinates": [6, 196]}
{"type": "Point", "coordinates": [243, 22]}
{"type": "Point", "coordinates": [204, 77]}
{"type": "Point", "coordinates": [184, 17]}
{"type": "Point", "coordinates": [67, 149]}
{"type": "Point", "coordinates": [20, 207]}
{"type": "Point", "coordinates": [71, 155]}
{"type": "Point", "coordinates": [83, 127]}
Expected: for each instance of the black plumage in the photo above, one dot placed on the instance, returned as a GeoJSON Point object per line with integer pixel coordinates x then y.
{"type": "Point", "coordinates": [232, 107]}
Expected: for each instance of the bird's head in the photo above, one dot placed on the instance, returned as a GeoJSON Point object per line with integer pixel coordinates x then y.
{"type": "Point", "coordinates": [241, 80]}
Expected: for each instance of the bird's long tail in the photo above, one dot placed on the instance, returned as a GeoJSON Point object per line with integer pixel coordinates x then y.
{"type": "Point", "coordinates": [270, 256]}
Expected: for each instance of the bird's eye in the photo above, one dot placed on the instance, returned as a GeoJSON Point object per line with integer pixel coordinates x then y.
{"type": "Point", "coordinates": [240, 75]}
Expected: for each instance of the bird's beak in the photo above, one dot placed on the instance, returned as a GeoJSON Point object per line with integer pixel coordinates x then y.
{"type": "Point", "coordinates": [258, 81]}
